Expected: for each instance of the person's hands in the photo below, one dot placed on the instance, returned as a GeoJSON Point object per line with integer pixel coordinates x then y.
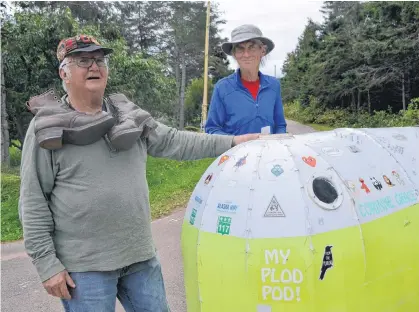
{"type": "Point", "coordinates": [57, 285]}
{"type": "Point", "coordinates": [244, 138]}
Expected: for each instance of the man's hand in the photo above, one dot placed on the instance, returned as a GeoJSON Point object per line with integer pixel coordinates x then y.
{"type": "Point", "coordinates": [245, 137]}
{"type": "Point", "coordinates": [57, 285]}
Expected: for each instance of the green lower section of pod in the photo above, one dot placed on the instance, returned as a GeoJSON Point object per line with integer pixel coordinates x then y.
{"type": "Point", "coordinates": [370, 267]}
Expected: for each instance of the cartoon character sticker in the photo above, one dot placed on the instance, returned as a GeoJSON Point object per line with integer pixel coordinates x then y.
{"type": "Point", "coordinates": [397, 177]}
{"type": "Point", "coordinates": [327, 262]}
{"type": "Point", "coordinates": [277, 170]}
{"type": "Point", "coordinates": [387, 180]}
{"type": "Point", "coordinates": [311, 161]}
{"type": "Point", "coordinates": [208, 179]}
{"type": "Point", "coordinates": [364, 186]}
{"type": "Point", "coordinates": [223, 159]}
{"type": "Point", "coordinates": [377, 184]}
{"type": "Point", "coordinates": [241, 161]}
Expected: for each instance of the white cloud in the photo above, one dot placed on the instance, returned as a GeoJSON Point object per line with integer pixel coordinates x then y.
{"type": "Point", "coordinates": [281, 21]}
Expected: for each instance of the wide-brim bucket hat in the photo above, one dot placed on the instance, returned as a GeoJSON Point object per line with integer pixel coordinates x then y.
{"type": "Point", "coordinates": [245, 33]}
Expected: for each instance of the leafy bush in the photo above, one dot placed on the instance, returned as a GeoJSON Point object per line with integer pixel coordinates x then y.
{"type": "Point", "coordinates": [15, 155]}
{"type": "Point", "coordinates": [340, 118]}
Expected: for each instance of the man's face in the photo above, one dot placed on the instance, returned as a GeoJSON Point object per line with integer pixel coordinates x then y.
{"type": "Point", "coordinates": [249, 55]}
{"type": "Point", "coordinates": [86, 75]}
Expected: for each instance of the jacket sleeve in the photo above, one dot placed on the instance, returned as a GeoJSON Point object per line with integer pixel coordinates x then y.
{"type": "Point", "coordinates": [171, 143]}
{"type": "Point", "coordinates": [279, 118]}
{"type": "Point", "coordinates": [216, 114]}
{"type": "Point", "coordinates": [37, 181]}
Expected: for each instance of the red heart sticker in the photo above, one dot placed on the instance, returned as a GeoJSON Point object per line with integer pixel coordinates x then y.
{"type": "Point", "coordinates": [311, 161]}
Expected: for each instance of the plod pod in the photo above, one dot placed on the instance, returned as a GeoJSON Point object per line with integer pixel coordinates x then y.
{"type": "Point", "coordinates": [325, 221]}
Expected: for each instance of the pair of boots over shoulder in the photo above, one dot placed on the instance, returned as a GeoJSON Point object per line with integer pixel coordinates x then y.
{"type": "Point", "coordinates": [58, 123]}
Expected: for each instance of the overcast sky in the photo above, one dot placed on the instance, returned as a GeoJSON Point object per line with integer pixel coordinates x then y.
{"type": "Point", "coordinates": [282, 21]}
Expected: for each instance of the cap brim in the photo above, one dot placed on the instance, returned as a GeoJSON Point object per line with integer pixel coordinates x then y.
{"type": "Point", "coordinates": [92, 48]}
{"type": "Point", "coordinates": [228, 46]}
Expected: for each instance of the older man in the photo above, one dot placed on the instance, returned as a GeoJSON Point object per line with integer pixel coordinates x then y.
{"type": "Point", "coordinates": [84, 201]}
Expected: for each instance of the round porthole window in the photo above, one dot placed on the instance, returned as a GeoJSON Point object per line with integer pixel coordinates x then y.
{"type": "Point", "coordinates": [325, 192]}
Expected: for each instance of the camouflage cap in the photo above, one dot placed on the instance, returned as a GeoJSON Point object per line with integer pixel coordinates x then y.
{"type": "Point", "coordinates": [80, 43]}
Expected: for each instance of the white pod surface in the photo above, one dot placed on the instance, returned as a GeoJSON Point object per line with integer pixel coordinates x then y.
{"type": "Point", "coordinates": [324, 221]}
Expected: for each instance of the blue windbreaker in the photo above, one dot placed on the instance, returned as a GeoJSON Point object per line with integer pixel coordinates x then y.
{"type": "Point", "coordinates": [234, 111]}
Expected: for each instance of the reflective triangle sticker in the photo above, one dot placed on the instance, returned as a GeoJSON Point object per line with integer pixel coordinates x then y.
{"type": "Point", "coordinates": [274, 210]}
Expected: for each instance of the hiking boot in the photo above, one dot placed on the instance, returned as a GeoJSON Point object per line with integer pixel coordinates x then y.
{"type": "Point", "coordinates": [131, 122]}
{"type": "Point", "coordinates": [56, 123]}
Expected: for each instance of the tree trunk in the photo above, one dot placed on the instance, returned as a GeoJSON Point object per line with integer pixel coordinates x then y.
{"type": "Point", "coordinates": [177, 76]}
{"type": "Point", "coordinates": [403, 94]}
{"type": "Point", "coordinates": [5, 157]}
{"type": "Point", "coordinates": [409, 89]}
{"type": "Point", "coordinates": [358, 108]}
{"type": "Point", "coordinates": [369, 102]}
{"type": "Point", "coordinates": [182, 94]}
{"type": "Point", "coordinates": [353, 105]}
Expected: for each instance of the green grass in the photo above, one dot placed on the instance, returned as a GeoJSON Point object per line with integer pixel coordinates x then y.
{"type": "Point", "coordinates": [170, 182]}
{"type": "Point", "coordinates": [10, 225]}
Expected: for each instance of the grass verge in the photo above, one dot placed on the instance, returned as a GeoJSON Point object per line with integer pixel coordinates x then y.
{"type": "Point", "coordinates": [170, 183]}
{"type": "Point", "coordinates": [10, 225]}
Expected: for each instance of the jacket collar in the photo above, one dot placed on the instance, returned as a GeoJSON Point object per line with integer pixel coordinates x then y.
{"type": "Point", "coordinates": [264, 82]}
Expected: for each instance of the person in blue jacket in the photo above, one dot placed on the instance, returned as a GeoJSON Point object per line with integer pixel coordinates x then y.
{"type": "Point", "coordinates": [247, 101]}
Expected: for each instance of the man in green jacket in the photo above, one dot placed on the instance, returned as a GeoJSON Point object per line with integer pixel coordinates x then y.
{"type": "Point", "coordinates": [84, 200]}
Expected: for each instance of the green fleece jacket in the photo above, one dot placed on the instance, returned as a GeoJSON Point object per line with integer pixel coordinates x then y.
{"type": "Point", "coordinates": [86, 208]}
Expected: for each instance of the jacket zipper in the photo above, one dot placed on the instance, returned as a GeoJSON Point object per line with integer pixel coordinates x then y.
{"type": "Point", "coordinates": [257, 97]}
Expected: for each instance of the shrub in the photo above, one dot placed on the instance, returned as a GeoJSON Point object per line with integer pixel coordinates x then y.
{"type": "Point", "coordinates": [341, 118]}
{"type": "Point", "coordinates": [15, 155]}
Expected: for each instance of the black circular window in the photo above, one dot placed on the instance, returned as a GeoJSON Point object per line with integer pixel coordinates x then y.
{"type": "Point", "coordinates": [324, 190]}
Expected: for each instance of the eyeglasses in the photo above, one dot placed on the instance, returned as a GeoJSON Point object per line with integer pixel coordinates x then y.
{"type": "Point", "coordinates": [239, 50]}
{"type": "Point", "coordinates": [86, 62]}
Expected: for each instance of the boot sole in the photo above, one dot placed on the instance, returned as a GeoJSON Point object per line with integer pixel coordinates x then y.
{"type": "Point", "coordinates": [125, 139]}
{"type": "Point", "coordinates": [53, 138]}
{"type": "Point", "coordinates": [50, 138]}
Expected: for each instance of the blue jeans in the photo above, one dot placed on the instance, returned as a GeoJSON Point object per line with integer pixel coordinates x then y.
{"type": "Point", "coordinates": [139, 287]}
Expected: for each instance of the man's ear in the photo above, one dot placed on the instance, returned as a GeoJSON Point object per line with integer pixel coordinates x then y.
{"type": "Point", "coordinates": [62, 74]}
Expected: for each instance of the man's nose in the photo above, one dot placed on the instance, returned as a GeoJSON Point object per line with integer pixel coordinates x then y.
{"type": "Point", "coordinates": [94, 66]}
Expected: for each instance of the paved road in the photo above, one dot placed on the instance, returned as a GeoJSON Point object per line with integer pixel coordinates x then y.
{"type": "Point", "coordinates": [21, 290]}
